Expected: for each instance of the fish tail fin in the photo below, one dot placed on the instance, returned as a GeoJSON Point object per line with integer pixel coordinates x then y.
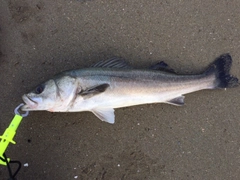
{"type": "Point", "coordinates": [221, 67]}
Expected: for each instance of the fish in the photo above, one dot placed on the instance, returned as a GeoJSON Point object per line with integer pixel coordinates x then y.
{"type": "Point", "coordinates": [113, 83]}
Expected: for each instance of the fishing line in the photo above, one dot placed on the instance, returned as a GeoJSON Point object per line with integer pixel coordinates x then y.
{"type": "Point", "coordinates": [11, 175]}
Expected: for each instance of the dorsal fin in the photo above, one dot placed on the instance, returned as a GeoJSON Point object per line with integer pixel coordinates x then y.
{"type": "Point", "coordinates": [162, 66]}
{"type": "Point", "coordinates": [114, 62]}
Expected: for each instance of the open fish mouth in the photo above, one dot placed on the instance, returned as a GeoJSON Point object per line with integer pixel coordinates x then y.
{"type": "Point", "coordinates": [29, 103]}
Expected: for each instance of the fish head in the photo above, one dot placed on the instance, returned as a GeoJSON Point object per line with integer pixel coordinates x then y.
{"type": "Point", "coordinates": [52, 95]}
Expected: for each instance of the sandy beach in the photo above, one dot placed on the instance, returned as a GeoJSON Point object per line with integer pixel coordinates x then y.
{"type": "Point", "coordinates": [200, 140]}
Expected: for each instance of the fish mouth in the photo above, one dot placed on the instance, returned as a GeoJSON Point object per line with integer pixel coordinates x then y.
{"type": "Point", "coordinates": [29, 103]}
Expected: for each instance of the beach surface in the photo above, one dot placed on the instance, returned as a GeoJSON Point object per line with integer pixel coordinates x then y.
{"type": "Point", "coordinates": [200, 140]}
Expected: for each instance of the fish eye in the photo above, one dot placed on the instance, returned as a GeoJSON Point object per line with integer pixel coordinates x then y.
{"type": "Point", "coordinates": [39, 89]}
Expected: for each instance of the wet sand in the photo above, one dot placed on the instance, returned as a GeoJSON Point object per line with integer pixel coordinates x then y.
{"type": "Point", "coordinates": [39, 38]}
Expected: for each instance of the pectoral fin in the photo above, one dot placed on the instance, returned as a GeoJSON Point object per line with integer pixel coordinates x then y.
{"type": "Point", "coordinates": [178, 101]}
{"type": "Point", "coordinates": [87, 93]}
{"type": "Point", "coordinates": [106, 115]}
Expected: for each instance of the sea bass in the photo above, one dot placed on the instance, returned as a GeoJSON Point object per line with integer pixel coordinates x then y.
{"type": "Point", "coordinates": [114, 84]}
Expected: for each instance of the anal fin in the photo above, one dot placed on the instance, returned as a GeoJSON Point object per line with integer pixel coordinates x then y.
{"type": "Point", "coordinates": [178, 101]}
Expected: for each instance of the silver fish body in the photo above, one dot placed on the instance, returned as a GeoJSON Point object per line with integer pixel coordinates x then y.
{"type": "Point", "coordinates": [134, 87]}
{"type": "Point", "coordinates": [113, 84]}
